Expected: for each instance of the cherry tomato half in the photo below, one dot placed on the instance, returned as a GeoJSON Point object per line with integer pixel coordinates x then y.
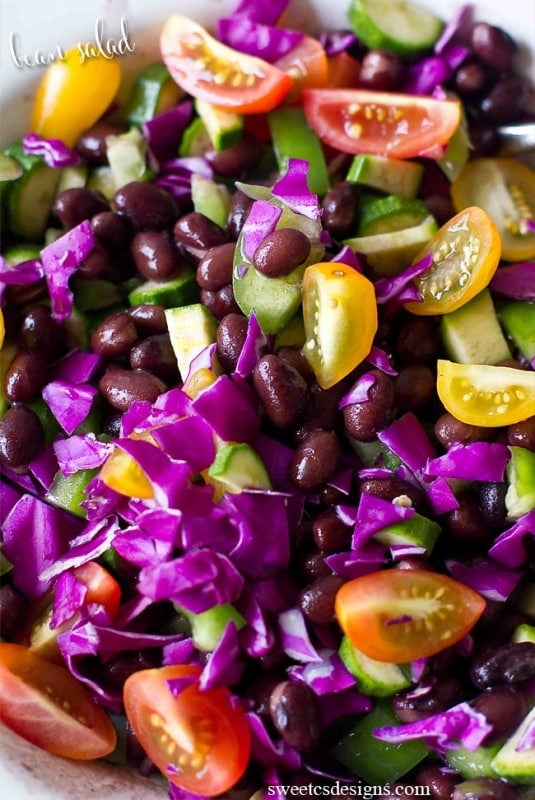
{"type": "Point", "coordinates": [398, 615]}
{"type": "Point", "coordinates": [484, 395]}
{"type": "Point", "coordinates": [505, 189]}
{"type": "Point", "coordinates": [73, 95]}
{"type": "Point", "coordinates": [380, 123]}
{"type": "Point", "coordinates": [306, 64]}
{"type": "Point", "coordinates": [211, 71]}
{"type": "Point", "coordinates": [466, 252]}
{"type": "Point", "coordinates": [44, 704]}
{"type": "Point", "coordinates": [199, 740]}
{"type": "Point", "coordinates": [340, 316]}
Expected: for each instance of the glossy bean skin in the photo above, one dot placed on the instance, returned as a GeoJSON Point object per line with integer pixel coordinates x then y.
{"type": "Point", "coordinates": [504, 708]}
{"type": "Point", "coordinates": [220, 302]}
{"type": "Point", "coordinates": [363, 420]}
{"type": "Point", "coordinates": [418, 340]}
{"type": "Point", "coordinates": [443, 693]}
{"type": "Point", "coordinates": [155, 255]}
{"type": "Point", "coordinates": [122, 387]}
{"type": "Point", "coordinates": [485, 789]}
{"type": "Point", "coordinates": [316, 601]}
{"type": "Point", "coordinates": [112, 230]}
{"type": "Point", "coordinates": [493, 46]}
{"type": "Point", "coordinates": [155, 354]}
{"type": "Point", "coordinates": [115, 336]}
{"type": "Point", "coordinates": [240, 205]}
{"type": "Point", "coordinates": [12, 610]}
{"type": "Point", "coordinates": [315, 460]}
{"type": "Point", "coordinates": [390, 488]}
{"type": "Point", "coordinates": [280, 252]}
{"type": "Point", "coordinates": [449, 430]}
{"type": "Point", "coordinates": [196, 233]}
{"type": "Point", "coordinates": [238, 160]}
{"type": "Point", "coordinates": [381, 71]}
{"type": "Point", "coordinates": [295, 713]}
{"type": "Point", "coordinates": [329, 533]}
{"type": "Point", "coordinates": [98, 264]}
{"type": "Point", "coordinates": [281, 389]}
{"type": "Point", "coordinates": [146, 206]}
{"type": "Point", "coordinates": [26, 376]}
{"type": "Point", "coordinates": [471, 77]}
{"type": "Point", "coordinates": [149, 319]}
{"type": "Point", "coordinates": [340, 209]}
{"type": "Point", "coordinates": [92, 144]}
{"type": "Point", "coordinates": [21, 437]}
{"type": "Point", "coordinates": [38, 329]}
{"type": "Point", "coordinates": [509, 664]}
{"type": "Point", "coordinates": [414, 387]}
{"type": "Point", "coordinates": [466, 523]}
{"type": "Point", "coordinates": [214, 269]}
{"type": "Point", "coordinates": [438, 781]}
{"type": "Point", "coordinates": [505, 101]}
{"type": "Point", "coordinates": [231, 335]}
{"type": "Point", "coordinates": [522, 434]}
{"type": "Point", "coordinates": [492, 504]}
{"type": "Point", "coordinates": [75, 205]}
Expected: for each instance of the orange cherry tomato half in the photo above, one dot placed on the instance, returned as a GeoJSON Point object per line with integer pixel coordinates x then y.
{"type": "Point", "coordinates": [211, 71]}
{"type": "Point", "coordinates": [73, 95]}
{"type": "Point", "coordinates": [44, 704]}
{"type": "Point", "coordinates": [466, 253]}
{"type": "Point", "coordinates": [306, 64]}
{"type": "Point", "coordinates": [380, 123]}
{"type": "Point", "coordinates": [199, 740]}
{"type": "Point", "coordinates": [342, 71]}
{"type": "Point", "coordinates": [399, 615]}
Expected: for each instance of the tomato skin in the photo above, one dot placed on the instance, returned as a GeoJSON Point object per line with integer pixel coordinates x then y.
{"type": "Point", "coordinates": [472, 393]}
{"type": "Point", "coordinates": [342, 71]}
{"type": "Point", "coordinates": [380, 123]}
{"type": "Point", "coordinates": [307, 66]}
{"type": "Point", "coordinates": [211, 71]}
{"type": "Point", "coordinates": [35, 695]}
{"type": "Point", "coordinates": [73, 95]}
{"type": "Point", "coordinates": [199, 740]}
{"type": "Point", "coordinates": [399, 615]}
{"type": "Point", "coordinates": [454, 278]}
{"type": "Point", "coordinates": [340, 316]}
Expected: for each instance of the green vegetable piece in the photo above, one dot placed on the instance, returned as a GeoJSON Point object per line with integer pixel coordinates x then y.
{"type": "Point", "coordinates": [524, 633]}
{"type": "Point", "coordinates": [374, 678]}
{"type": "Point", "coordinates": [176, 292]}
{"type": "Point", "coordinates": [388, 175]}
{"type": "Point", "coordinates": [375, 761]}
{"type": "Point", "coordinates": [520, 475]}
{"type": "Point", "coordinates": [22, 252]}
{"type": "Point", "coordinates": [518, 319]}
{"type": "Point", "coordinates": [10, 168]}
{"type": "Point", "coordinates": [224, 128]}
{"type": "Point", "coordinates": [238, 467]}
{"type": "Point", "coordinates": [101, 180]}
{"type": "Point", "coordinates": [472, 334]}
{"type": "Point", "coordinates": [457, 152]}
{"type": "Point", "coordinates": [210, 198]}
{"type": "Point", "coordinates": [207, 627]}
{"type": "Point", "coordinates": [51, 426]}
{"type": "Point", "coordinates": [68, 491]}
{"type": "Point", "coordinates": [402, 27]}
{"type": "Point", "coordinates": [292, 335]}
{"type": "Point", "coordinates": [195, 139]}
{"type": "Point", "coordinates": [517, 764]}
{"type": "Point", "coordinates": [191, 328]}
{"type": "Point", "coordinates": [5, 565]}
{"type": "Point", "coordinates": [418, 530]}
{"type": "Point", "coordinates": [473, 763]}
{"type": "Point", "coordinates": [525, 602]}
{"type": "Point", "coordinates": [154, 92]}
{"type": "Point", "coordinates": [127, 157]}
{"type": "Point", "coordinates": [375, 454]}
{"type": "Point", "coordinates": [293, 138]}
{"type": "Point", "coordinates": [72, 178]}
{"type": "Point", "coordinates": [390, 213]}
{"type": "Point", "coordinates": [96, 294]}
{"type": "Point", "coordinates": [389, 253]}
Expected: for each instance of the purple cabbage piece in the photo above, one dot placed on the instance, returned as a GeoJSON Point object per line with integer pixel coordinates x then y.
{"type": "Point", "coordinates": [267, 12]}
{"type": "Point", "coordinates": [60, 260]}
{"type": "Point", "coordinates": [491, 580]}
{"type": "Point", "coordinates": [141, 548]}
{"type": "Point", "coordinates": [261, 220]}
{"type": "Point", "coordinates": [44, 467]}
{"type": "Point", "coordinates": [294, 637]}
{"type": "Point", "coordinates": [187, 439]}
{"type": "Point", "coordinates": [169, 478]}
{"type": "Point", "coordinates": [256, 344]}
{"type": "Point", "coordinates": [224, 666]}
{"type": "Point", "coordinates": [69, 597]}
{"type": "Point", "coordinates": [508, 548]}
{"type": "Point", "coordinates": [23, 274]}
{"type": "Point", "coordinates": [424, 76]}
{"type": "Point", "coordinates": [91, 543]}
{"type": "Point", "coordinates": [353, 564]}
{"type": "Point", "coordinates": [81, 452]}
{"type": "Point", "coordinates": [399, 288]}
{"type": "Point", "coordinates": [346, 255]}
{"type": "Point", "coordinates": [335, 42]}
{"type": "Point", "coordinates": [347, 703]}
{"type": "Point", "coordinates": [515, 280]}
{"type": "Point", "coordinates": [294, 191]}
{"type": "Point", "coordinates": [479, 461]}
{"type": "Point", "coordinates": [256, 637]}
{"type": "Point", "coordinates": [256, 514]}
{"type": "Point", "coordinates": [527, 740]}
{"type": "Point", "coordinates": [229, 411]}
{"type": "Point", "coordinates": [177, 685]}
{"type": "Point", "coordinates": [164, 132]}
{"type": "Point", "coordinates": [407, 438]}
{"type": "Point", "coordinates": [256, 39]}
{"type": "Point", "coordinates": [70, 403]}
{"type": "Point", "coordinates": [440, 497]}
{"type": "Point", "coordinates": [381, 360]}
{"type": "Point", "coordinates": [326, 677]}
{"type": "Point", "coordinates": [181, 652]}
{"type": "Point", "coordinates": [359, 392]}
{"type": "Point", "coordinates": [373, 515]}
{"type": "Point", "coordinates": [267, 752]}
{"type": "Point", "coordinates": [55, 153]}
{"type": "Point", "coordinates": [76, 367]}
{"type": "Point", "coordinates": [456, 29]}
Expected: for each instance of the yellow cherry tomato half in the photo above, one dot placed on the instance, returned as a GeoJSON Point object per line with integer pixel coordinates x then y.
{"type": "Point", "coordinates": [340, 316]}
{"type": "Point", "coordinates": [466, 252]}
{"type": "Point", "coordinates": [73, 95]}
{"type": "Point", "coordinates": [484, 395]}
{"type": "Point", "coordinates": [505, 189]}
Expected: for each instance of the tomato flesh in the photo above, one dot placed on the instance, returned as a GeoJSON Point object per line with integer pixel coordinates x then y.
{"type": "Point", "coordinates": [466, 253]}
{"type": "Point", "coordinates": [45, 705]}
{"type": "Point", "coordinates": [307, 66]}
{"type": "Point", "coordinates": [199, 740]}
{"type": "Point", "coordinates": [399, 615]}
{"type": "Point", "coordinates": [211, 71]}
{"type": "Point", "coordinates": [380, 123]}
{"type": "Point", "coordinates": [486, 396]}
{"type": "Point", "coordinates": [340, 316]}
{"type": "Point", "coordinates": [505, 189]}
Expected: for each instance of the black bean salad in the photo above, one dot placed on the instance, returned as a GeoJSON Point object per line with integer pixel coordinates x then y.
{"type": "Point", "coordinates": [267, 424]}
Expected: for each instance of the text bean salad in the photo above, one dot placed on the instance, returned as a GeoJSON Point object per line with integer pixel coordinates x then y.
{"type": "Point", "coordinates": [268, 410]}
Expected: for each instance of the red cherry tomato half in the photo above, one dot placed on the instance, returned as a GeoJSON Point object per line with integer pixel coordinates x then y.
{"type": "Point", "coordinates": [399, 615]}
{"type": "Point", "coordinates": [380, 123]}
{"type": "Point", "coordinates": [211, 71]}
{"type": "Point", "coordinates": [307, 66]}
{"type": "Point", "coordinates": [199, 740]}
{"type": "Point", "coordinates": [44, 704]}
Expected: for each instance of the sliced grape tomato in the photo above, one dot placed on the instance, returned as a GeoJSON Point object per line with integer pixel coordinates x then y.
{"type": "Point", "coordinates": [211, 71]}
{"type": "Point", "coordinates": [380, 123]}
{"type": "Point", "coordinates": [399, 615]}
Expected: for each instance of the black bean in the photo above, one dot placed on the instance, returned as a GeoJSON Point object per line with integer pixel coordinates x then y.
{"type": "Point", "coordinates": [321, 410]}
{"type": "Point", "coordinates": [483, 136]}
{"type": "Point", "coordinates": [221, 302]}
{"type": "Point", "coordinates": [26, 376]}
{"type": "Point", "coordinates": [315, 460]}
{"type": "Point", "coordinates": [238, 160]}
{"type": "Point", "coordinates": [112, 230]}
{"type": "Point", "coordinates": [390, 488]}
{"type": "Point", "coordinates": [155, 354]}
{"type": "Point", "coordinates": [492, 45]}
{"type": "Point", "coordinates": [259, 691]}
{"type": "Point", "coordinates": [522, 434]}
{"type": "Point", "coordinates": [317, 600]}
{"type": "Point", "coordinates": [280, 252]}
{"type": "Point", "coordinates": [39, 329]}
{"type": "Point", "coordinates": [364, 420]}
{"type": "Point", "coordinates": [12, 610]}
{"type": "Point", "coordinates": [115, 336]}
{"type": "Point", "coordinates": [506, 100]}
{"type": "Point", "coordinates": [98, 264]}
{"type": "Point", "coordinates": [312, 565]}
{"type": "Point", "coordinates": [149, 319]}
{"type": "Point", "coordinates": [439, 782]}
{"type": "Point", "coordinates": [443, 693]}
{"type": "Point", "coordinates": [21, 437]}
{"type": "Point", "coordinates": [146, 206]}
{"type": "Point", "coordinates": [329, 533]}
{"type": "Point", "coordinates": [231, 335]}
{"type": "Point", "coordinates": [197, 233]}
{"type": "Point", "coordinates": [381, 71]}
{"type": "Point", "coordinates": [73, 206]}
{"type": "Point", "coordinates": [418, 339]}
{"type": "Point", "coordinates": [466, 522]}
{"type": "Point", "coordinates": [296, 714]}
{"type": "Point", "coordinates": [92, 144]}
{"type": "Point", "coordinates": [509, 664]}
{"type": "Point", "coordinates": [122, 387]}
{"type": "Point", "coordinates": [470, 77]}
{"type": "Point", "coordinates": [117, 669]}
{"type": "Point", "coordinates": [492, 504]}
{"type": "Point", "coordinates": [485, 789]}
{"type": "Point", "coordinates": [450, 430]}
{"type": "Point", "coordinates": [440, 206]}
{"type": "Point", "coordinates": [281, 390]}
{"type": "Point", "coordinates": [240, 206]}
{"type": "Point", "coordinates": [504, 708]}
{"type": "Point", "coordinates": [414, 387]}
{"type": "Point", "coordinates": [155, 255]}
{"type": "Point", "coordinates": [340, 209]}
{"type": "Point", "coordinates": [214, 270]}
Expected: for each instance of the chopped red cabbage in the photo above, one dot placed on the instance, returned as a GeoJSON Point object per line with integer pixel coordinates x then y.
{"type": "Point", "coordinates": [347, 703]}
{"type": "Point", "coordinates": [456, 29]}
{"type": "Point", "coordinates": [335, 42]}
{"type": "Point", "coordinates": [256, 39]}
{"type": "Point", "coordinates": [359, 392]}
{"type": "Point", "coordinates": [515, 280]}
{"type": "Point", "coordinates": [76, 367]}
{"type": "Point", "coordinates": [479, 461]}
{"type": "Point", "coordinates": [69, 597]}
{"type": "Point", "coordinates": [91, 543]}
{"type": "Point", "coordinates": [169, 479]}
{"type": "Point", "coordinates": [294, 191]}
{"type": "Point", "coordinates": [268, 752]}
{"type": "Point", "coordinates": [181, 652]}
{"type": "Point", "coordinates": [225, 407]}
{"type": "Point", "coordinates": [354, 564]}
{"type": "Point", "coordinates": [276, 457]}
{"type": "Point", "coordinates": [255, 515]}
{"type": "Point", "coordinates": [144, 549]}
{"type": "Point", "coordinates": [164, 132]}
{"type": "Point", "coordinates": [401, 551]}
{"type": "Point", "coordinates": [45, 467]}
{"type": "Point", "coordinates": [424, 76]}
{"type": "Point", "coordinates": [440, 497]}
{"type": "Point", "coordinates": [400, 288]}
{"type": "Point", "coordinates": [256, 637]}
{"type": "Point", "coordinates": [326, 677]}
{"type": "Point", "coordinates": [381, 360]}
{"type": "Point", "coordinates": [177, 685]}
{"type": "Point", "coordinates": [454, 55]}
{"type": "Point", "coordinates": [261, 221]}
{"type": "Point", "coordinates": [268, 12]}
{"type": "Point", "coordinates": [23, 274]}
{"type": "Point", "coordinates": [70, 403]}
{"type": "Point", "coordinates": [254, 347]}
{"type": "Point", "coordinates": [9, 495]}
{"type": "Point", "coordinates": [60, 260]}
{"type": "Point", "coordinates": [203, 360]}
{"type": "Point", "coordinates": [55, 153]}
{"type": "Point", "coordinates": [225, 665]}
{"type": "Point", "coordinates": [488, 578]}
{"type": "Point", "coordinates": [187, 439]}
{"type": "Point", "coordinates": [527, 740]}
{"type": "Point", "coordinates": [508, 548]}
{"type": "Point", "coordinates": [346, 255]}
{"type": "Point", "coordinates": [294, 637]}
{"type": "Point", "coordinates": [374, 514]}
{"type": "Point", "coordinates": [530, 224]}
{"type": "Point", "coordinates": [81, 452]}
{"type": "Point", "coordinates": [408, 439]}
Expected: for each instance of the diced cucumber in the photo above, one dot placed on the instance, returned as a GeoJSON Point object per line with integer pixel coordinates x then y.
{"type": "Point", "coordinates": [525, 602]}
{"type": "Point", "coordinates": [210, 198]}
{"type": "Point", "coordinates": [47, 419]}
{"type": "Point", "coordinates": [457, 152]}
{"type": "Point", "coordinates": [374, 678]}
{"type": "Point", "coordinates": [207, 627]}
{"type": "Point", "coordinates": [375, 761]}
{"type": "Point", "coordinates": [375, 454]}
{"type": "Point", "coordinates": [101, 180]}
{"type": "Point", "coordinates": [127, 157]}
{"type": "Point", "coordinates": [473, 763]}
{"type": "Point", "coordinates": [154, 92]}
{"type": "Point", "coordinates": [237, 467]}
{"type": "Point", "coordinates": [72, 178]}
{"type": "Point", "coordinates": [179, 291]}
{"type": "Point", "coordinates": [191, 329]}
{"type": "Point", "coordinates": [520, 475]}
{"type": "Point", "coordinates": [518, 319]}
{"type": "Point", "coordinates": [195, 139]}
{"type": "Point", "coordinates": [22, 252]}
{"type": "Point", "coordinates": [389, 175]}
{"type": "Point", "coordinates": [524, 633]}
{"type": "Point", "coordinates": [224, 128]}
{"type": "Point", "coordinates": [292, 335]}
{"type": "Point", "coordinates": [390, 213]}
{"type": "Point", "coordinates": [68, 491]}
{"type": "Point", "coordinates": [418, 530]}
{"type": "Point", "coordinates": [293, 138]}
{"type": "Point", "coordinates": [94, 294]}
{"type": "Point", "coordinates": [400, 26]}
{"type": "Point", "coordinates": [517, 764]}
{"type": "Point", "coordinates": [31, 195]}
{"type": "Point", "coordinates": [389, 253]}
{"type": "Point", "coordinates": [472, 334]}
{"type": "Point", "coordinates": [10, 168]}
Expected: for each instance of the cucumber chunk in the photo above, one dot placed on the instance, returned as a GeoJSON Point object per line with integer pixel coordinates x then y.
{"type": "Point", "coordinates": [520, 474]}
{"type": "Point", "coordinates": [474, 763]}
{"type": "Point", "coordinates": [402, 27]}
{"type": "Point", "coordinates": [472, 334]}
{"type": "Point", "coordinates": [30, 196]}
{"type": "Point", "coordinates": [375, 678]}
{"type": "Point", "coordinates": [154, 92]}
{"type": "Point", "coordinates": [68, 491]}
{"type": "Point", "coordinates": [177, 292]}
{"type": "Point", "coordinates": [224, 128]}
{"type": "Point", "coordinates": [210, 198]}
{"type": "Point", "coordinates": [514, 764]}
{"type": "Point", "coordinates": [72, 178]}
{"type": "Point", "coordinates": [10, 168]}
{"type": "Point", "coordinates": [390, 213]}
{"type": "Point", "coordinates": [195, 139]}
{"type": "Point", "coordinates": [237, 467]}
{"type": "Point", "coordinates": [293, 138]}
{"type": "Point", "coordinates": [191, 328]}
{"type": "Point", "coordinates": [127, 157]}
{"type": "Point", "coordinates": [418, 530]}
{"type": "Point", "coordinates": [524, 633]}
{"type": "Point", "coordinates": [389, 253]}
{"type": "Point", "coordinates": [518, 319]}
{"type": "Point", "coordinates": [389, 175]}
{"type": "Point", "coordinates": [207, 627]}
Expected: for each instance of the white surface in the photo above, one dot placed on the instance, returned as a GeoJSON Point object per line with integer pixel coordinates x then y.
{"type": "Point", "coordinates": [26, 772]}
